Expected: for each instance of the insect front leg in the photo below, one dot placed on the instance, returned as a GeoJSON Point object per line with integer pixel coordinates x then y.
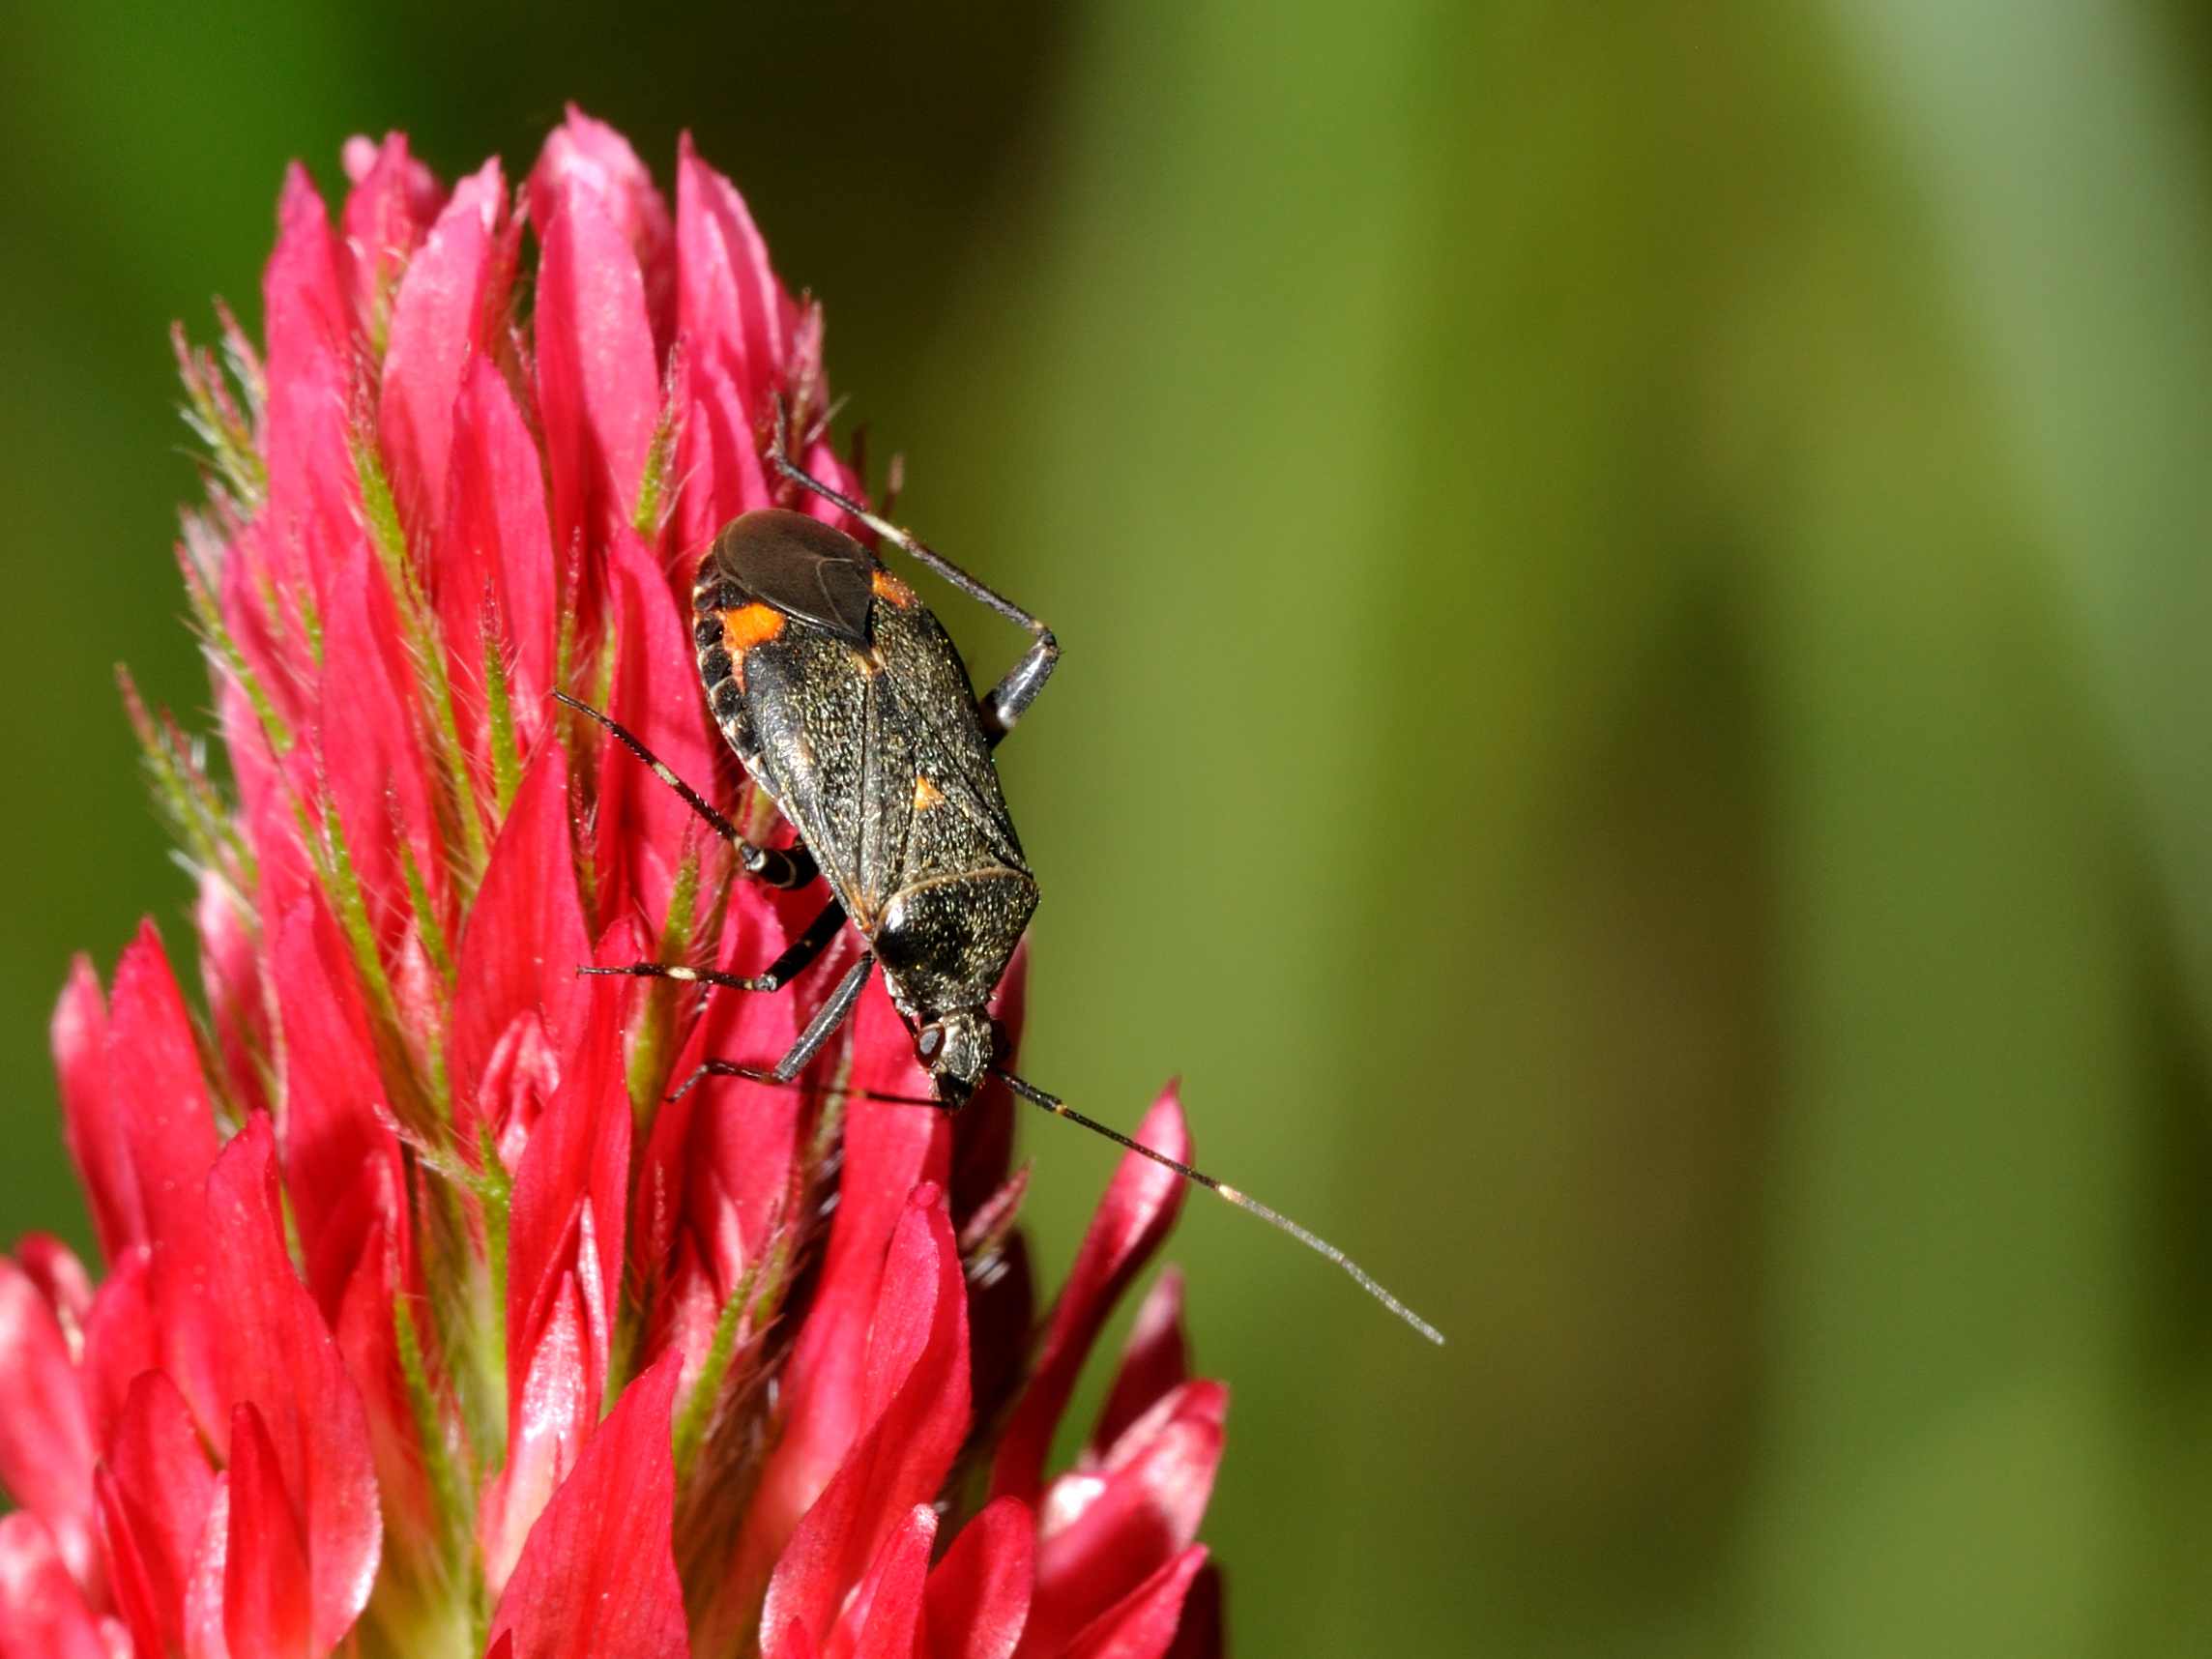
{"type": "Point", "coordinates": [795, 958]}
{"type": "Point", "coordinates": [1007, 701]}
{"type": "Point", "coordinates": [819, 1030]}
{"type": "Point", "coordinates": [772, 867]}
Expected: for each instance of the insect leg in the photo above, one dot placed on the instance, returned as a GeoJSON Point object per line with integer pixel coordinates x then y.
{"type": "Point", "coordinates": [788, 966]}
{"type": "Point", "coordinates": [772, 865]}
{"type": "Point", "coordinates": [819, 1030]}
{"type": "Point", "coordinates": [1006, 701]}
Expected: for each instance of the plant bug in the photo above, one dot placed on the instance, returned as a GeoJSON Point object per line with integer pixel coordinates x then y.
{"type": "Point", "coordinates": [850, 707]}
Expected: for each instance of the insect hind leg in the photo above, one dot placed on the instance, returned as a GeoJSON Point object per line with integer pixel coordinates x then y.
{"type": "Point", "coordinates": [772, 867]}
{"type": "Point", "coordinates": [1004, 702]}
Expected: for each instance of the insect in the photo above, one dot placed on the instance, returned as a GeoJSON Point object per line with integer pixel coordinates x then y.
{"type": "Point", "coordinates": [850, 707]}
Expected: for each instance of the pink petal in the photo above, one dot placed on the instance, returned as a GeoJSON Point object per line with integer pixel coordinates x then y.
{"type": "Point", "coordinates": [885, 1616]}
{"type": "Point", "coordinates": [598, 374]}
{"type": "Point", "coordinates": [598, 1578]}
{"type": "Point", "coordinates": [392, 201]}
{"type": "Point", "coordinates": [45, 1441]}
{"type": "Point", "coordinates": [1155, 1361]}
{"type": "Point", "coordinates": [42, 1612]}
{"type": "Point", "coordinates": [524, 940]}
{"type": "Point", "coordinates": [979, 1598]}
{"type": "Point", "coordinates": [915, 1405]}
{"type": "Point", "coordinates": [730, 307]}
{"type": "Point", "coordinates": [586, 153]}
{"type": "Point", "coordinates": [155, 1490]}
{"type": "Point", "coordinates": [1144, 1624]}
{"type": "Point", "coordinates": [94, 1138]}
{"type": "Point", "coordinates": [304, 302]}
{"type": "Point", "coordinates": [1105, 1533]}
{"type": "Point", "coordinates": [265, 1611]}
{"type": "Point", "coordinates": [168, 1131]}
{"type": "Point", "coordinates": [438, 322]}
{"type": "Point", "coordinates": [1139, 1207]}
{"type": "Point", "coordinates": [717, 456]}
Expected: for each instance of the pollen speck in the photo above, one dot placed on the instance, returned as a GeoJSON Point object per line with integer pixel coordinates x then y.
{"type": "Point", "coordinates": [889, 587]}
{"type": "Point", "coordinates": [927, 793]}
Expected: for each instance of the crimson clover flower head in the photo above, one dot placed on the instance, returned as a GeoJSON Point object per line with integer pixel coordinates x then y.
{"type": "Point", "coordinates": [430, 1325]}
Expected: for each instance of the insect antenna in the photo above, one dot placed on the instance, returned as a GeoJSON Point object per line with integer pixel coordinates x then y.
{"type": "Point", "coordinates": [1241, 1199]}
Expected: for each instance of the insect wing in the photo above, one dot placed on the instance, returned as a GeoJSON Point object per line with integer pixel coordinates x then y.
{"type": "Point", "coordinates": [801, 566]}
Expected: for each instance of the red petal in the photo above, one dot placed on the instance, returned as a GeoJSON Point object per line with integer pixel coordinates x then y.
{"type": "Point", "coordinates": [524, 940]}
{"type": "Point", "coordinates": [642, 825]}
{"type": "Point", "coordinates": [1104, 1534]}
{"type": "Point", "coordinates": [885, 1614]}
{"type": "Point", "coordinates": [156, 1490]}
{"type": "Point", "coordinates": [311, 519]}
{"type": "Point", "coordinates": [589, 154]}
{"type": "Point", "coordinates": [437, 325]}
{"type": "Point", "coordinates": [980, 1594]}
{"type": "Point", "coordinates": [230, 971]}
{"type": "Point", "coordinates": [886, 1152]}
{"type": "Point", "coordinates": [722, 1155]}
{"type": "Point", "coordinates": [168, 1131]}
{"type": "Point", "coordinates": [1134, 1216]}
{"type": "Point", "coordinates": [730, 307]}
{"type": "Point", "coordinates": [1200, 1632]}
{"type": "Point", "coordinates": [914, 1401]}
{"type": "Point", "coordinates": [43, 1614]}
{"type": "Point", "coordinates": [598, 1578]}
{"type": "Point", "coordinates": [239, 1328]}
{"type": "Point", "coordinates": [118, 1340]}
{"type": "Point", "coordinates": [598, 375]}
{"type": "Point", "coordinates": [1155, 1361]}
{"type": "Point", "coordinates": [94, 1139]}
{"type": "Point", "coordinates": [372, 755]}
{"type": "Point", "coordinates": [339, 1149]}
{"type": "Point", "coordinates": [549, 1416]}
{"type": "Point", "coordinates": [265, 1611]}
{"type": "Point", "coordinates": [567, 1214]}
{"type": "Point", "coordinates": [494, 544]}
{"type": "Point", "coordinates": [45, 1441]}
{"type": "Point", "coordinates": [1144, 1624]}
{"type": "Point", "coordinates": [60, 1276]}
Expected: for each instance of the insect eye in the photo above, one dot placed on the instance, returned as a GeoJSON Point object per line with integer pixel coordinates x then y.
{"type": "Point", "coordinates": [929, 1042]}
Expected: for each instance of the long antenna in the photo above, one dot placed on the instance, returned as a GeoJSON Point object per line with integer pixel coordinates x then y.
{"type": "Point", "coordinates": [1241, 1199]}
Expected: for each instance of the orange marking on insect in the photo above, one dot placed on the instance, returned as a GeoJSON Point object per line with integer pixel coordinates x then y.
{"type": "Point", "coordinates": [889, 587]}
{"type": "Point", "coordinates": [749, 625]}
{"type": "Point", "coordinates": [927, 793]}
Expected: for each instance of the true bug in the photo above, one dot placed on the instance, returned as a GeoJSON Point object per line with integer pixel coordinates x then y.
{"type": "Point", "coordinates": [850, 707]}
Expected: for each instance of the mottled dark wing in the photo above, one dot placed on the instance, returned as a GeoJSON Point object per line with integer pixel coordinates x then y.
{"type": "Point", "coordinates": [953, 816]}
{"type": "Point", "coordinates": [803, 567]}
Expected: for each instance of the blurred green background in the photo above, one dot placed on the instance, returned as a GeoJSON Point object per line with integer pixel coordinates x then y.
{"type": "Point", "coordinates": [1637, 718]}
